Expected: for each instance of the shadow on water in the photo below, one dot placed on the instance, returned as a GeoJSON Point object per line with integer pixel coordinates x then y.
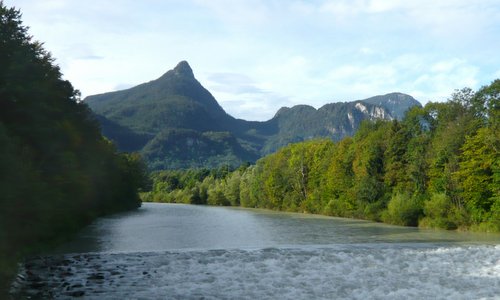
{"type": "Point", "coordinates": [90, 238]}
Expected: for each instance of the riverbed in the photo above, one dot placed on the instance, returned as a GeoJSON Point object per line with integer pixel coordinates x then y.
{"type": "Point", "coordinates": [173, 251]}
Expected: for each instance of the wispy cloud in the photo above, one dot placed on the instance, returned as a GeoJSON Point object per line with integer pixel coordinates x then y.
{"type": "Point", "coordinates": [233, 83]}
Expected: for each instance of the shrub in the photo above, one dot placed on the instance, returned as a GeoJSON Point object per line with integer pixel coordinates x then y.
{"type": "Point", "coordinates": [216, 195]}
{"type": "Point", "coordinates": [438, 210]}
{"type": "Point", "coordinates": [403, 209]}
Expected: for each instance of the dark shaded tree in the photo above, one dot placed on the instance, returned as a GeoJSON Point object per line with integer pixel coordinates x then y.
{"type": "Point", "coordinates": [57, 173]}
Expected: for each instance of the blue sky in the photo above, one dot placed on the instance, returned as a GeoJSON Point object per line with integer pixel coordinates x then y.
{"type": "Point", "coordinates": [256, 56]}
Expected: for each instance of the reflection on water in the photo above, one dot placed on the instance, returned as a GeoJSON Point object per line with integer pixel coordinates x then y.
{"type": "Point", "coordinates": [158, 227]}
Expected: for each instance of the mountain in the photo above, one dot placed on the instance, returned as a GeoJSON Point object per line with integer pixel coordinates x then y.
{"type": "Point", "coordinates": [174, 122]}
{"type": "Point", "coordinates": [334, 120]}
{"type": "Point", "coordinates": [175, 100]}
{"type": "Point", "coordinates": [396, 103]}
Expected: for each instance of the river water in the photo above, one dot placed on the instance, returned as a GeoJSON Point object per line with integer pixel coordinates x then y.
{"type": "Point", "coordinates": [172, 251]}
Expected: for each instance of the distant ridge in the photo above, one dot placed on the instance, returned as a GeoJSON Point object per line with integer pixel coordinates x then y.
{"type": "Point", "coordinates": [176, 123]}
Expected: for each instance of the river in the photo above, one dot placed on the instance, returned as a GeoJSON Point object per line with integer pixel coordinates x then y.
{"type": "Point", "coordinates": [173, 251]}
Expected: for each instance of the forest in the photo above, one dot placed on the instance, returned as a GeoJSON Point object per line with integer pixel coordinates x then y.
{"type": "Point", "coordinates": [439, 167]}
{"type": "Point", "coordinates": [57, 172]}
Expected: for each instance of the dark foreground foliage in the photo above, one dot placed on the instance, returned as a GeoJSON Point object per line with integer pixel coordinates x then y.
{"type": "Point", "coordinates": [57, 173]}
{"type": "Point", "coordinates": [439, 167]}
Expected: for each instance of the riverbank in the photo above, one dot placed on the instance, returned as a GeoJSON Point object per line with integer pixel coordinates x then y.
{"type": "Point", "coordinates": [146, 198]}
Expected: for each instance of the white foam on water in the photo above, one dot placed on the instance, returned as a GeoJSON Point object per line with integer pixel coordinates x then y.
{"type": "Point", "coordinates": [344, 272]}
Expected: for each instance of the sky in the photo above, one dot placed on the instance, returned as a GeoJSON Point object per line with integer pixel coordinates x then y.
{"type": "Point", "coordinates": [256, 56]}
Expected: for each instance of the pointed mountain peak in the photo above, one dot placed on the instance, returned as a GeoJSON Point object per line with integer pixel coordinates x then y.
{"type": "Point", "coordinates": [183, 69]}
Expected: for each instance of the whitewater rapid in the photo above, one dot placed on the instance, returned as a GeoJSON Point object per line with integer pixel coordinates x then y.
{"type": "Point", "coordinates": [347, 272]}
{"type": "Point", "coordinates": [188, 252]}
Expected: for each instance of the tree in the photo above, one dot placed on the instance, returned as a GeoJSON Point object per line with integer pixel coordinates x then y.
{"type": "Point", "coordinates": [396, 158]}
{"type": "Point", "coordinates": [339, 180]}
{"type": "Point", "coordinates": [232, 190]}
{"type": "Point", "coordinates": [478, 174]}
{"type": "Point", "coordinates": [368, 167]}
{"type": "Point", "coordinates": [57, 172]}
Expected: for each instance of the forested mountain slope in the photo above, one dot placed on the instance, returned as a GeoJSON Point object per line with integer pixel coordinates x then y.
{"type": "Point", "coordinates": [176, 123]}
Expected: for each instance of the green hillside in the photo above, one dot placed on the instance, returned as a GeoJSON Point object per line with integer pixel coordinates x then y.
{"type": "Point", "coordinates": [178, 148]}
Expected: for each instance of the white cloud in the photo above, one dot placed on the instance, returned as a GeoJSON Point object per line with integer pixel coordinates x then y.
{"type": "Point", "coordinates": [233, 83]}
{"type": "Point", "coordinates": [496, 75]}
{"type": "Point", "coordinates": [366, 51]}
{"type": "Point", "coordinates": [446, 65]}
{"type": "Point", "coordinates": [257, 55]}
{"type": "Point", "coordinates": [342, 8]}
{"type": "Point", "coordinates": [238, 13]}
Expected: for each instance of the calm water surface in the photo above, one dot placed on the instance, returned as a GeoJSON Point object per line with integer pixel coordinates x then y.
{"type": "Point", "coordinates": [172, 251]}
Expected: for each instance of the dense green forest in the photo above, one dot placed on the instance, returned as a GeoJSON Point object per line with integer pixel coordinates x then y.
{"type": "Point", "coordinates": [57, 172]}
{"type": "Point", "coordinates": [439, 167]}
